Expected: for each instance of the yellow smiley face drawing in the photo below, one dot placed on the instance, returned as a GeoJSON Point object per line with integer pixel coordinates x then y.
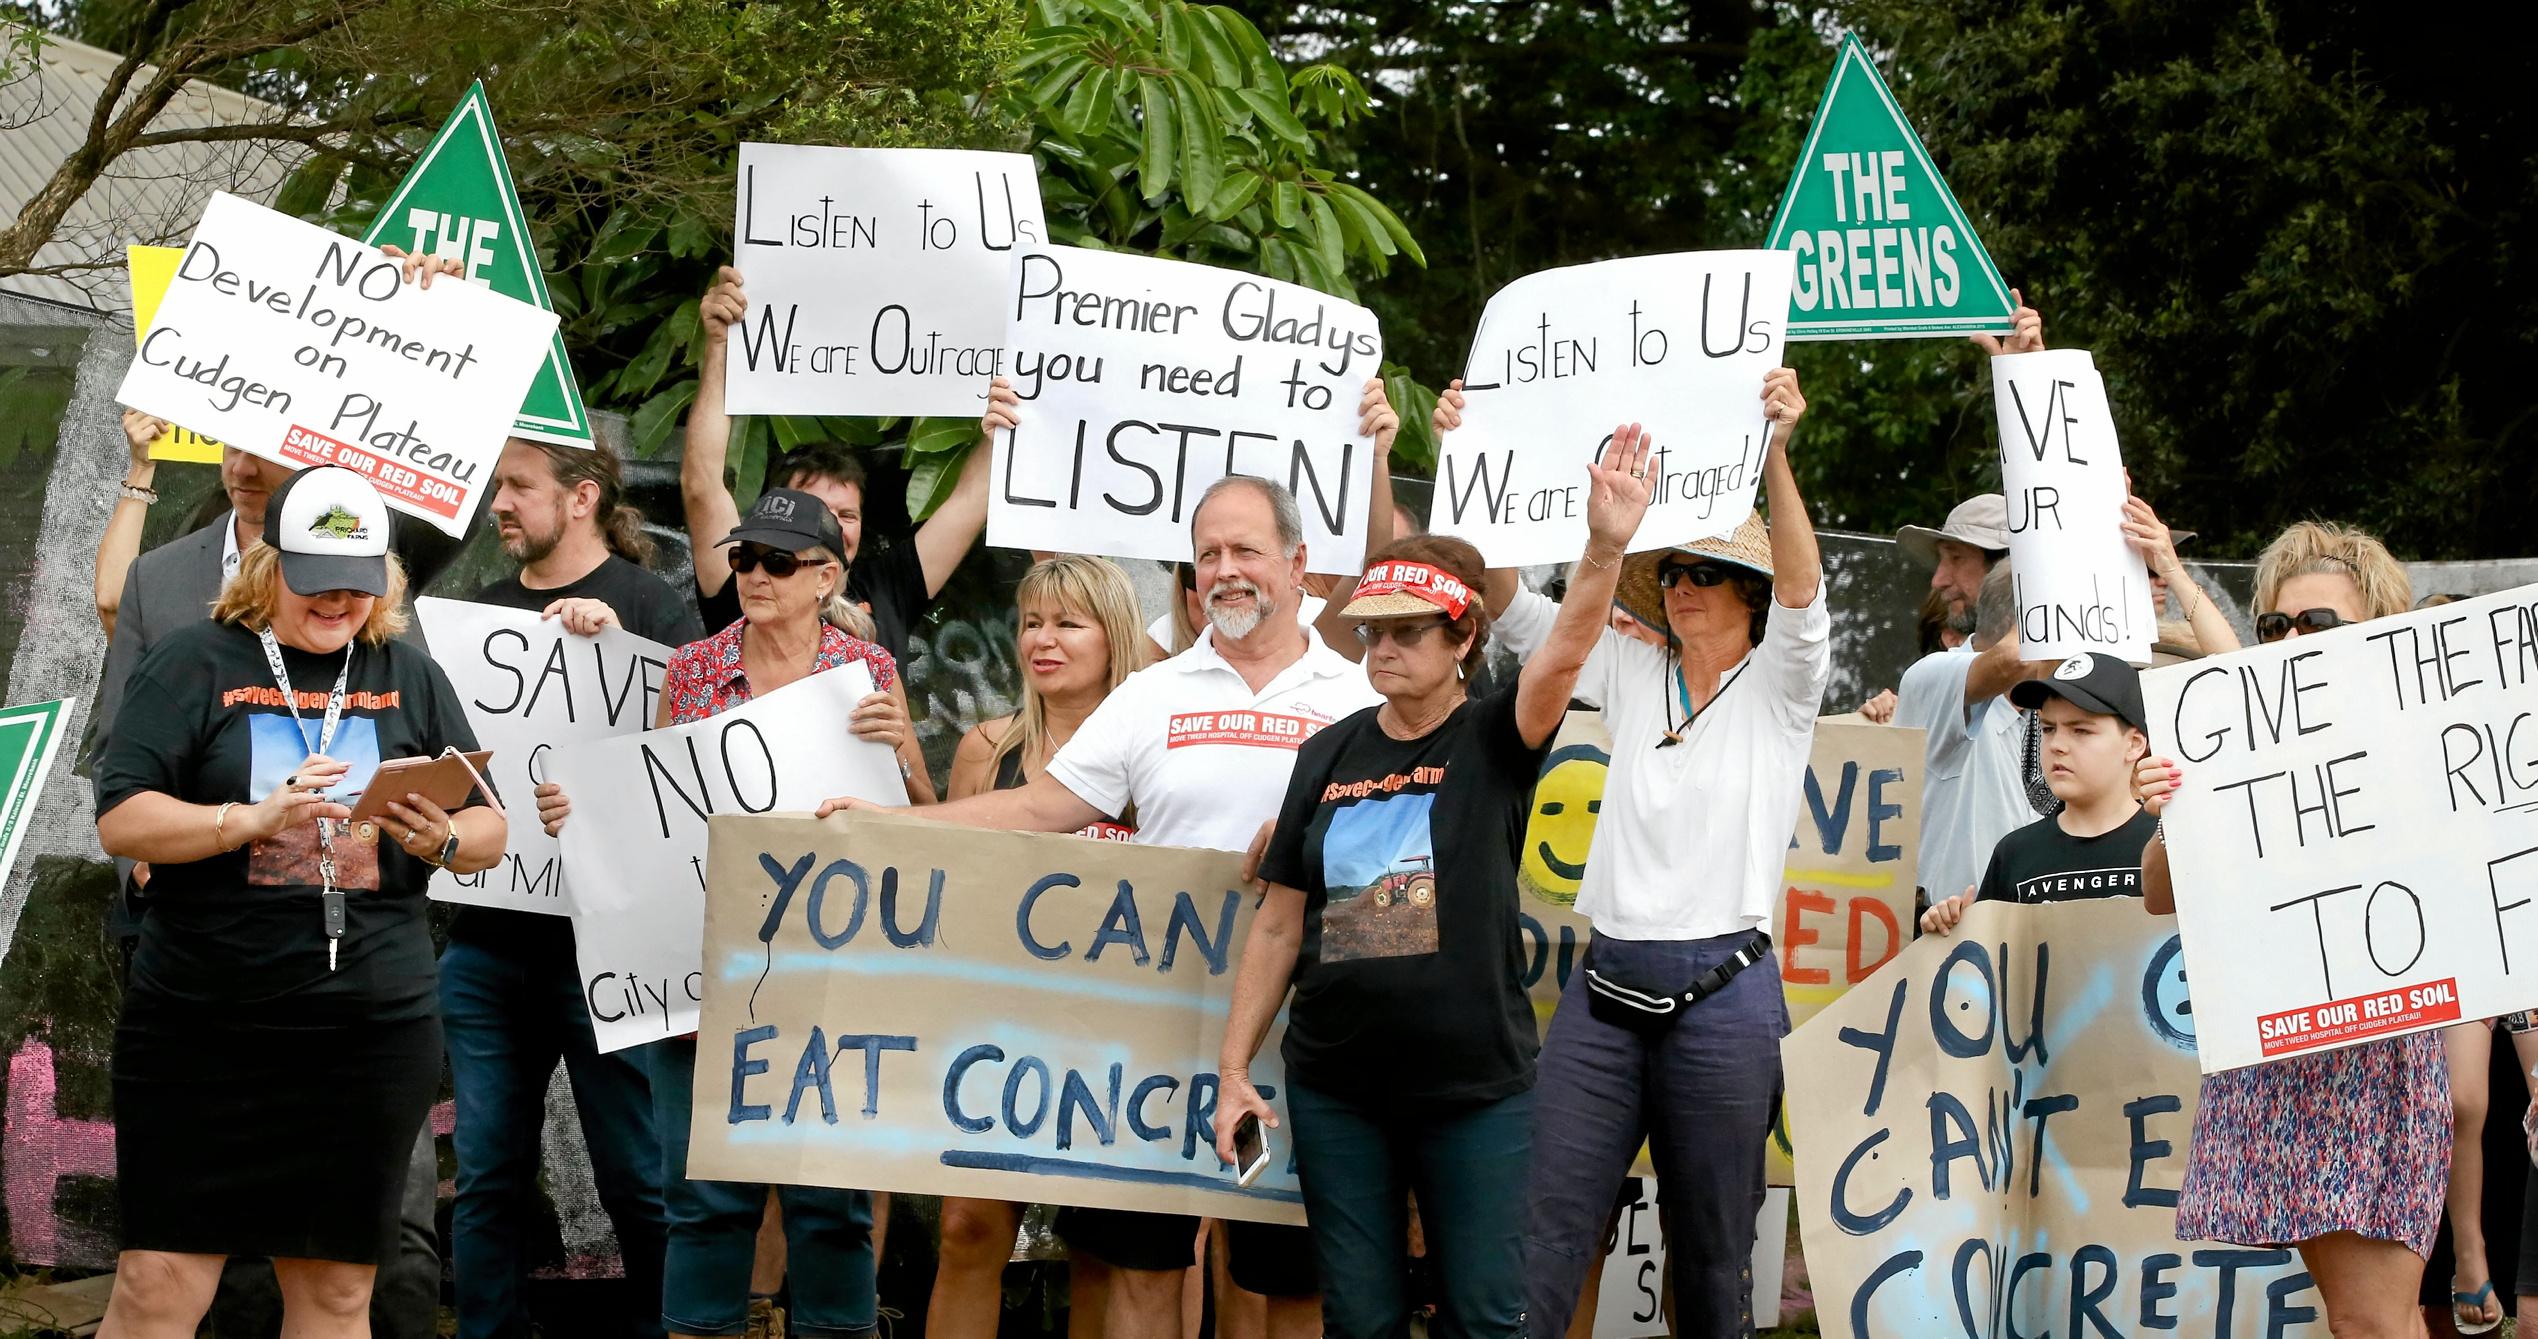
{"type": "Point", "coordinates": [1561, 829]}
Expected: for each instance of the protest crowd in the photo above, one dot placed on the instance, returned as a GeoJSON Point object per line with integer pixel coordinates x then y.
{"type": "Point", "coordinates": [288, 774]}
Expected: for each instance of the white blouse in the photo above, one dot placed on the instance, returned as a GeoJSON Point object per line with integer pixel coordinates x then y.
{"type": "Point", "coordinates": [1691, 839]}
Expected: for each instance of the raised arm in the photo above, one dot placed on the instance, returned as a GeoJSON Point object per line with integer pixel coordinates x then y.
{"type": "Point", "coordinates": [1797, 566]}
{"type": "Point", "coordinates": [947, 536]}
{"type": "Point", "coordinates": [2158, 549]}
{"type": "Point", "coordinates": [1041, 804]}
{"type": "Point", "coordinates": [1375, 419]}
{"type": "Point", "coordinates": [2155, 779]}
{"type": "Point", "coordinates": [1616, 500]}
{"type": "Point", "coordinates": [122, 543]}
{"type": "Point", "coordinates": [711, 514]}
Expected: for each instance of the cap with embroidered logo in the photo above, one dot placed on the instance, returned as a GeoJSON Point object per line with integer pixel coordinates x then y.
{"type": "Point", "coordinates": [791, 520]}
{"type": "Point", "coordinates": [331, 529]}
{"type": "Point", "coordinates": [2093, 683]}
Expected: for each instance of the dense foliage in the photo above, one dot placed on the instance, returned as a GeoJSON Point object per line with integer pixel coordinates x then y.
{"type": "Point", "coordinates": [2289, 233]}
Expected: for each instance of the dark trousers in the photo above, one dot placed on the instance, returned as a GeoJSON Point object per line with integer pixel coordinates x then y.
{"type": "Point", "coordinates": [1702, 1094]}
{"type": "Point", "coordinates": [829, 1266]}
{"type": "Point", "coordinates": [1360, 1162]}
{"type": "Point", "coordinates": [509, 1021]}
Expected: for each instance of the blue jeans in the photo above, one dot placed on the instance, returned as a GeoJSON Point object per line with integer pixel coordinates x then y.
{"type": "Point", "coordinates": [829, 1265]}
{"type": "Point", "coordinates": [1360, 1161]}
{"type": "Point", "coordinates": [510, 1018]}
{"type": "Point", "coordinates": [1702, 1095]}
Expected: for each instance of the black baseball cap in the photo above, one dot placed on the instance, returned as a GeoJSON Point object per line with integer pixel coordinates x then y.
{"type": "Point", "coordinates": [2101, 684]}
{"type": "Point", "coordinates": [331, 529]}
{"type": "Point", "coordinates": [791, 520]}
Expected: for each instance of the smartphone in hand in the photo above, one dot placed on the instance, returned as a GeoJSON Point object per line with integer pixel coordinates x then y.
{"type": "Point", "coordinates": [1251, 1150]}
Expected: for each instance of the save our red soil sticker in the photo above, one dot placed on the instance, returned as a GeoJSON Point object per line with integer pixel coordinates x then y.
{"type": "Point", "coordinates": [2359, 1018]}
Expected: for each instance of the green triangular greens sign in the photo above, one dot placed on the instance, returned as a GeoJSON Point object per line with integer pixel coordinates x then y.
{"type": "Point", "coordinates": [1882, 248]}
{"type": "Point", "coordinates": [458, 202]}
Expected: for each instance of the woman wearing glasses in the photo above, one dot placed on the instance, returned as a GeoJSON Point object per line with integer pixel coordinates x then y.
{"type": "Point", "coordinates": [1392, 910]}
{"type": "Point", "coordinates": [2344, 1154]}
{"type": "Point", "coordinates": [1711, 733]}
{"type": "Point", "coordinates": [794, 621]}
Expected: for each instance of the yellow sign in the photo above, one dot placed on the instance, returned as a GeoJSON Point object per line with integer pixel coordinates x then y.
{"type": "Point", "coordinates": [153, 268]}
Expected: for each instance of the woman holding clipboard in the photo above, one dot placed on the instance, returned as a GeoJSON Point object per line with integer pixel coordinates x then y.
{"type": "Point", "coordinates": [280, 1041]}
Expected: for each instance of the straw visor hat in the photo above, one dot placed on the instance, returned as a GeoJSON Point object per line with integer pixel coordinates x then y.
{"type": "Point", "coordinates": [1747, 546]}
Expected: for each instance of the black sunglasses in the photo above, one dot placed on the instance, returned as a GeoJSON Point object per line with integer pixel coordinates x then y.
{"type": "Point", "coordinates": [2275, 627]}
{"type": "Point", "coordinates": [779, 564]}
{"type": "Point", "coordinates": [1699, 574]}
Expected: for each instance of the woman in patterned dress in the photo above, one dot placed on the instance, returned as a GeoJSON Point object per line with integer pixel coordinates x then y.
{"type": "Point", "coordinates": [2344, 1154]}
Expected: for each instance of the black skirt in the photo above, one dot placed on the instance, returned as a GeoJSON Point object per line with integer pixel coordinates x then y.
{"type": "Point", "coordinates": [260, 1140]}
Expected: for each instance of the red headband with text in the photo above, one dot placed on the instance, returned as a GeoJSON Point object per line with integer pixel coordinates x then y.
{"type": "Point", "coordinates": [1424, 580]}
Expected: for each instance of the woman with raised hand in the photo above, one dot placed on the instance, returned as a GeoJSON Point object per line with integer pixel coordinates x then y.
{"type": "Point", "coordinates": [1077, 636]}
{"type": "Point", "coordinates": [2344, 1154]}
{"type": "Point", "coordinates": [280, 1043]}
{"type": "Point", "coordinates": [1392, 909]}
{"type": "Point", "coordinates": [1711, 732]}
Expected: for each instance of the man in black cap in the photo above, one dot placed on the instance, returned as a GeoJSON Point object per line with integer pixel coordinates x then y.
{"type": "Point", "coordinates": [2092, 736]}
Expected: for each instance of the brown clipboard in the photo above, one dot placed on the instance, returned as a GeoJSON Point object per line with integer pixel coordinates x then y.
{"type": "Point", "coordinates": [446, 780]}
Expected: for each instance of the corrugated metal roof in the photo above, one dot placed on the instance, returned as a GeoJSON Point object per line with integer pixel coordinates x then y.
{"type": "Point", "coordinates": [148, 196]}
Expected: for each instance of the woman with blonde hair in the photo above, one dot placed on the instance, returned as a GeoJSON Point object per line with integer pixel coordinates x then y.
{"type": "Point", "coordinates": [2346, 1153]}
{"type": "Point", "coordinates": [280, 1041]}
{"type": "Point", "coordinates": [1077, 636]}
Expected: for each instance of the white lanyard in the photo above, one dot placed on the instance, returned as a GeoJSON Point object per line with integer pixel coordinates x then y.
{"type": "Point", "coordinates": [330, 897]}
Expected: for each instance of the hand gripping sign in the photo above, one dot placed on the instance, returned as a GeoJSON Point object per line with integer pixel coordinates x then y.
{"type": "Point", "coordinates": [1679, 343]}
{"type": "Point", "coordinates": [634, 849]}
{"type": "Point", "coordinates": [877, 277]}
{"type": "Point", "coordinates": [2354, 841]}
{"type": "Point", "coordinates": [893, 1004]}
{"type": "Point", "coordinates": [530, 687]}
{"type": "Point", "coordinates": [1145, 380]}
{"type": "Point", "coordinates": [282, 339]}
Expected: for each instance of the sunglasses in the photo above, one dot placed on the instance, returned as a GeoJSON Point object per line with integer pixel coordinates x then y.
{"type": "Point", "coordinates": [1699, 574]}
{"type": "Point", "coordinates": [1407, 636]}
{"type": "Point", "coordinates": [2275, 627]}
{"type": "Point", "coordinates": [779, 564]}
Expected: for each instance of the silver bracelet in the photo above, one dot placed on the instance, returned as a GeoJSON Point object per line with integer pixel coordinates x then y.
{"type": "Point", "coordinates": [144, 496]}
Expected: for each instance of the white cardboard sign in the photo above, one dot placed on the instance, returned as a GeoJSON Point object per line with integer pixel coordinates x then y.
{"type": "Point", "coordinates": [2081, 588]}
{"type": "Point", "coordinates": [307, 348]}
{"type": "Point", "coordinates": [529, 686]}
{"type": "Point", "coordinates": [2355, 838]}
{"type": "Point", "coordinates": [1145, 380]}
{"type": "Point", "coordinates": [876, 277]}
{"type": "Point", "coordinates": [634, 848]}
{"type": "Point", "coordinates": [1679, 344]}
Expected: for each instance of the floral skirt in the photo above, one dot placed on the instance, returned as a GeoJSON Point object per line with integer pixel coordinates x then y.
{"type": "Point", "coordinates": [2355, 1140]}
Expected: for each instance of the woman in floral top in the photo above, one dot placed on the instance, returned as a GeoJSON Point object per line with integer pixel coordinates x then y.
{"type": "Point", "coordinates": [794, 623]}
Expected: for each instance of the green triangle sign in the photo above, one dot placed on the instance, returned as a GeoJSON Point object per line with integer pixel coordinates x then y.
{"type": "Point", "coordinates": [458, 202]}
{"type": "Point", "coordinates": [1882, 248]}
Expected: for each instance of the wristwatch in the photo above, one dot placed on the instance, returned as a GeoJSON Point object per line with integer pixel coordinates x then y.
{"type": "Point", "coordinates": [449, 848]}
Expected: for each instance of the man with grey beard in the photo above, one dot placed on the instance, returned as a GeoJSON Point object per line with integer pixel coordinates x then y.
{"type": "Point", "coordinates": [1200, 746]}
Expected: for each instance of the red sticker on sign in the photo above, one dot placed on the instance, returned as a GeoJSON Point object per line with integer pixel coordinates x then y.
{"type": "Point", "coordinates": [1243, 729]}
{"type": "Point", "coordinates": [2359, 1018]}
{"type": "Point", "coordinates": [401, 483]}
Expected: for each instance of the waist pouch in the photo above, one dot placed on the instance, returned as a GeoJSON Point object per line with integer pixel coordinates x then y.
{"type": "Point", "coordinates": [1651, 1009]}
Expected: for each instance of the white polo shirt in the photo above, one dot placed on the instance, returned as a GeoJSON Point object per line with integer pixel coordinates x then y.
{"type": "Point", "coordinates": [1692, 838]}
{"type": "Point", "coordinates": [1202, 757]}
